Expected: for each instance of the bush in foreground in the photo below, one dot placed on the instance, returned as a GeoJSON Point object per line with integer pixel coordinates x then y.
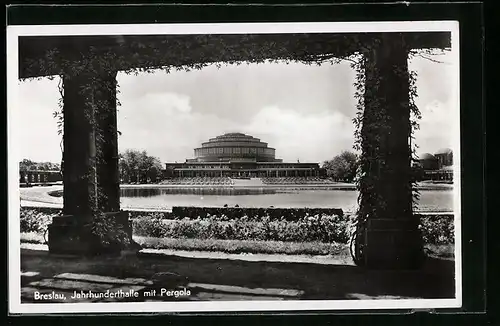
{"type": "Point", "coordinates": [34, 220]}
{"type": "Point", "coordinates": [322, 228]}
{"type": "Point", "coordinates": [251, 213]}
{"type": "Point", "coordinates": [436, 229]}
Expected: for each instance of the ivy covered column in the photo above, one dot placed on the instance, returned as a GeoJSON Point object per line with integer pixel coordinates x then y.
{"type": "Point", "coordinates": [387, 233]}
{"type": "Point", "coordinates": [91, 221]}
{"type": "Point", "coordinates": [79, 155]}
{"type": "Point", "coordinates": [107, 167]}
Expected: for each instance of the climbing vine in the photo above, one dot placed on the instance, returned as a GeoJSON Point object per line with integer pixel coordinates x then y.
{"type": "Point", "coordinates": [379, 121]}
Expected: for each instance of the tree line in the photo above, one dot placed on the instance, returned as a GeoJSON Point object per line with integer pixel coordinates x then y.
{"type": "Point", "coordinates": [29, 165]}
{"type": "Point", "coordinates": [139, 167]}
{"type": "Point", "coordinates": [344, 166]}
{"type": "Point", "coordinates": [134, 166]}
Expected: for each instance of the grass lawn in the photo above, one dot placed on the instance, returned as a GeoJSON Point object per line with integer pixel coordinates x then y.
{"type": "Point", "coordinates": [244, 246]}
{"type": "Point", "coordinates": [338, 250]}
{"type": "Point", "coordinates": [227, 246]}
{"type": "Point", "coordinates": [441, 251]}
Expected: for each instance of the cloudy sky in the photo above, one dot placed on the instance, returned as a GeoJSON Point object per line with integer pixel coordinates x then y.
{"type": "Point", "coordinates": [305, 112]}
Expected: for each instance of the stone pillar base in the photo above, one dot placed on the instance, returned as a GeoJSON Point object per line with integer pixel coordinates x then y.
{"type": "Point", "coordinates": [69, 234]}
{"type": "Point", "coordinates": [392, 244]}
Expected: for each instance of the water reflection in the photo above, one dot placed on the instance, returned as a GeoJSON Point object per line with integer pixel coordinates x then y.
{"type": "Point", "coordinates": [152, 192]}
{"type": "Point", "coordinates": [435, 201]}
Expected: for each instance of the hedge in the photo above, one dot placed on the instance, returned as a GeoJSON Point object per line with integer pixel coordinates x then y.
{"type": "Point", "coordinates": [323, 228]}
{"type": "Point", "coordinates": [224, 213]}
{"type": "Point", "coordinates": [436, 229]}
{"type": "Point", "coordinates": [229, 213]}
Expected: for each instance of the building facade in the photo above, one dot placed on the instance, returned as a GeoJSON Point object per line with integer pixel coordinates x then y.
{"type": "Point", "coordinates": [444, 157]}
{"type": "Point", "coordinates": [438, 166]}
{"type": "Point", "coordinates": [428, 162]}
{"type": "Point", "coordinates": [238, 155]}
{"type": "Point", "coordinates": [39, 177]}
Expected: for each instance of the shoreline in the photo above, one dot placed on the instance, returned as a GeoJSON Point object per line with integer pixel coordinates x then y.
{"type": "Point", "coordinates": [41, 197]}
{"type": "Point", "coordinates": [334, 186]}
{"type": "Point", "coordinates": [34, 205]}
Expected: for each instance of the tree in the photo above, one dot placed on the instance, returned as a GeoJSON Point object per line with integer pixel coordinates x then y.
{"type": "Point", "coordinates": [138, 166]}
{"type": "Point", "coordinates": [27, 165]}
{"type": "Point", "coordinates": [342, 167]}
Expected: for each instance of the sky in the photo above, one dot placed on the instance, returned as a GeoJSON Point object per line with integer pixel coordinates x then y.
{"type": "Point", "coordinates": [305, 112]}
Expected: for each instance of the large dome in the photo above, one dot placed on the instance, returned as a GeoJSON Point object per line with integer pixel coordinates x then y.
{"type": "Point", "coordinates": [234, 146]}
{"type": "Point", "coordinates": [427, 156]}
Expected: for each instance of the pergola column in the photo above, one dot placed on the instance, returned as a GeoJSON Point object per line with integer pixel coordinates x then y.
{"type": "Point", "coordinates": [91, 182]}
{"type": "Point", "coordinates": [108, 175]}
{"type": "Point", "coordinates": [388, 235]}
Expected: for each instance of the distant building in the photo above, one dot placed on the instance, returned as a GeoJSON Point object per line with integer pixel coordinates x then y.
{"type": "Point", "coordinates": [39, 176]}
{"type": "Point", "coordinates": [238, 155]}
{"type": "Point", "coordinates": [444, 157]}
{"type": "Point", "coordinates": [428, 162]}
{"type": "Point", "coordinates": [438, 166]}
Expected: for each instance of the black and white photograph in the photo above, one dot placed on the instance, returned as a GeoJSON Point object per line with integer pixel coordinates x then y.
{"type": "Point", "coordinates": [234, 167]}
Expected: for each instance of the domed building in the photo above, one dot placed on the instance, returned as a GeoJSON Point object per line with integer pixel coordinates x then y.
{"type": "Point", "coordinates": [234, 146]}
{"type": "Point", "coordinates": [438, 166]}
{"type": "Point", "coordinates": [238, 155]}
{"type": "Point", "coordinates": [428, 161]}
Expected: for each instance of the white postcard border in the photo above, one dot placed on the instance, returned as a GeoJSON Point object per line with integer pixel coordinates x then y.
{"type": "Point", "coordinates": [14, 285]}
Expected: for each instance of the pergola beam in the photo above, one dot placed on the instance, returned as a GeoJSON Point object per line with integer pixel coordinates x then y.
{"type": "Point", "coordinates": [156, 51]}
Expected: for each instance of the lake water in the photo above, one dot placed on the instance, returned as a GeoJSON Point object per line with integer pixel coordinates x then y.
{"type": "Point", "coordinates": [430, 200]}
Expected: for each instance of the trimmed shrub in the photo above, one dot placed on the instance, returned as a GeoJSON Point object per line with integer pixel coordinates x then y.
{"type": "Point", "coordinates": [326, 228]}
{"type": "Point", "coordinates": [149, 226]}
{"type": "Point", "coordinates": [44, 210]}
{"type": "Point", "coordinates": [323, 228]}
{"type": "Point", "coordinates": [291, 214]}
{"type": "Point", "coordinates": [158, 214]}
{"type": "Point", "coordinates": [34, 220]}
